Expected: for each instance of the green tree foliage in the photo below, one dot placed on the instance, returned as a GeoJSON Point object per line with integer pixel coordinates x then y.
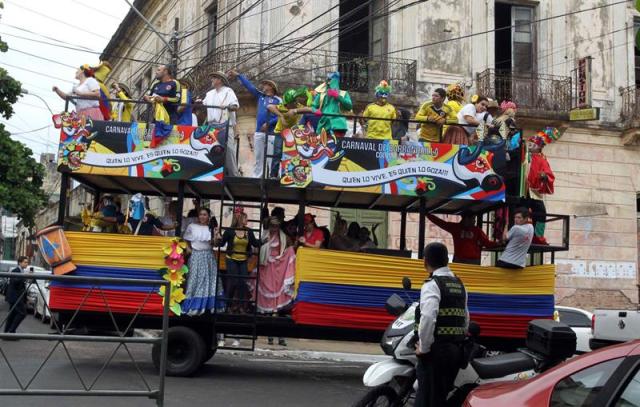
{"type": "Point", "coordinates": [20, 175]}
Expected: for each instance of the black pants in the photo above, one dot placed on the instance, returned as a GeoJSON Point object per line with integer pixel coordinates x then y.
{"type": "Point", "coordinates": [236, 287]}
{"type": "Point", "coordinates": [538, 215]}
{"type": "Point", "coordinates": [436, 373]}
{"type": "Point", "coordinates": [18, 311]}
{"type": "Point", "coordinates": [506, 265]}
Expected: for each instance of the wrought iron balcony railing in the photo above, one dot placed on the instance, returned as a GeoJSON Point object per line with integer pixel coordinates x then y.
{"type": "Point", "coordinates": [630, 112]}
{"type": "Point", "coordinates": [291, 67]}
{"type": "Point", "coordinates": [537, 95]}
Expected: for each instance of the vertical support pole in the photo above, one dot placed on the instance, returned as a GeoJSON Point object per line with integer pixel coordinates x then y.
{"type": "Point", "coordinates": [301, 209]}
{"type": "Point", "coordinates": [180, 207]}
{"type": "Point", "coordinates": [174, 51]}
{"type": "Point", "coordinates": [226, 150]}
{"type": "Point", "coordinates": [422, 223]}
{"type": "Point", "coordinates": [164, 344]}
{"type": "Point", "coordinates": [403, 230]}
{"type": "Point", "coordinates": [266, 170]}
{"type": "Point", "coordinates": [355, 126]}
{"type": "Point", "coordinates": [96, 201]}
{"type": "Point", "coordinates": [62, 205]}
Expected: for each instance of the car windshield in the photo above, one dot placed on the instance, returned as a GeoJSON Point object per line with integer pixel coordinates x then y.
{"type": "Point", "coordinates": [581, 388]}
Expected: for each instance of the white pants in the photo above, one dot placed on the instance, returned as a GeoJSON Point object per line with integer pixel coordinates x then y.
{"type": "Point", "coordinates": [258, 149]}
{"type": "Point", "coordinates": [230, 163]}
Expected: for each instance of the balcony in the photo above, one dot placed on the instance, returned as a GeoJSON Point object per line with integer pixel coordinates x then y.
{"type": "Point", "coordinates": [537, 95]}
{"type": "Point", "coordinates": [630, 115]}
{"type": "Point", "coordinates": [292, 67]}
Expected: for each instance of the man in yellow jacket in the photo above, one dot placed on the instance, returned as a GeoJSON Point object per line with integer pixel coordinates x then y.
{"type": "Point", "coordinates": [121, 111]}
{"type": "Point", "coordinates": [434, 115]}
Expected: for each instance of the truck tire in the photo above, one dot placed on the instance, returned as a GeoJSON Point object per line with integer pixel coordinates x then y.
{"type": "Point", "coordinates": [186, 351]}
{"type": "Point", "coordinates": [375, 396]}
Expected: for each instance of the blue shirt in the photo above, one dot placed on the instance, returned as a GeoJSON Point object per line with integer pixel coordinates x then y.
{"type": "Point", "coordinates": [170, 90]}
{"type": "Point", "coordinates": [263, 102]}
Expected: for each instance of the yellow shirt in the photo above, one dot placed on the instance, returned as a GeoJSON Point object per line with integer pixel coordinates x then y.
{"type": "Point", "coordinates": [431, 131]}
{"type": "Point", "coordinates": [379, 129]}
{"type": "Point", "coordinates": [126, 108]}
{"type": "Point", "coordinates": [287, 122]}
{"type": "Point", "coordinates": [239, 248]}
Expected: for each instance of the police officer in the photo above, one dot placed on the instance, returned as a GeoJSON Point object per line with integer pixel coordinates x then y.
{"type": "Point", "coordinates": [442, 327]}
{"type": "Point", "coordinates": [16, 297]}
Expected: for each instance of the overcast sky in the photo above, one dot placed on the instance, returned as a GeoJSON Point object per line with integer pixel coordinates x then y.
{"type": "Point", "coordinates": [64, 21]}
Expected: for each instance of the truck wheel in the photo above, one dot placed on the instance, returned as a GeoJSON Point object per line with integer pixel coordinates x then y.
{"type": "Point", "coordinates": [383, 395]}
{"type": "Point", "coordinates": [185, 352]}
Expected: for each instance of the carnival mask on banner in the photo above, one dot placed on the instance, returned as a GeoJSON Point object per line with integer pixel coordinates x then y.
{"type": "Point", "coordinates": [210, 137]}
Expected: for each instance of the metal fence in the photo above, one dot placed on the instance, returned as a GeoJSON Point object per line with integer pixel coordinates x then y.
{"type": "Point", "coordinates": [537, 95]}
{"type": "Point", "coordinates": [63, 335]}
{"type": "Point", "coordinates": [359, 73]}
{"type": "Point", "coordinates": [630, 111]}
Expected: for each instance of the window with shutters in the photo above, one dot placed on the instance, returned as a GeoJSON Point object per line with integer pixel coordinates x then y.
{"type": "Point", "coordinates": [514, 38]}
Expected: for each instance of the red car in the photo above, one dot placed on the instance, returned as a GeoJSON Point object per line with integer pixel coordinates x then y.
{"type": "Point", "coordinates": [606, 377]}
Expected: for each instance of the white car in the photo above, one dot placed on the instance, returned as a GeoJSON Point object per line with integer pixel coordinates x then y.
{"type": "Point", "coordinates": [580, 321]}
{"type": "Point", "coordinates": [36, 287]}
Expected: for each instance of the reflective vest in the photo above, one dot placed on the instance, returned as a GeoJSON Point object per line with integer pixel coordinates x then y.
{"type": "Point", "coordinates": [452, 312]}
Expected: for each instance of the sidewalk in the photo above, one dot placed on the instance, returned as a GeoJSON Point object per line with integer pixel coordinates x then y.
{"type": "Point", "coordinates": [313, 349]}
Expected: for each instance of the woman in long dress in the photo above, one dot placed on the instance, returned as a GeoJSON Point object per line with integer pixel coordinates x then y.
{"type": "Point", "coordinates": [201, 282]}
{"type": "Point", "coordinates": [277, 272]}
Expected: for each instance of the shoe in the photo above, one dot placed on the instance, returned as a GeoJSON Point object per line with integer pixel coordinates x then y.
{"type": "Point", "coordinates": [270, 340]}
{"type": "Point", "coordinates": [282, 342]}
{"type": "Point", "coordinates": [235, 343]}
{"type": "Point", "coordinates": [221, 343]}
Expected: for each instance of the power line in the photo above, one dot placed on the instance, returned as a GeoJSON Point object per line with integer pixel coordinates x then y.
{"type": "Point", "coordinates": [75, 49]}
{"type": "Point", "coordinates": [36, 72]}
{"type": "Point", "coordinates": [462, 37]}
{"type": "Point", "coordinates": [43, 58]}
{"type": "Point", "coordinates": [31, 131]}
{"type": "Point", "coordinates": [65, 23]}
{"type": "Point", "coordinates": [224, 27]}
{"type": "Point", "coordinates": [347, 29]}
{"type": "Point", "coordinates": [46, 36]}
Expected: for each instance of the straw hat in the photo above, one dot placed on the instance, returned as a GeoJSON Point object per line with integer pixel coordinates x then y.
{"type": "Point", "coordinates": [272, 84]}
{"type": "Point", "coordinates": [221, 75]}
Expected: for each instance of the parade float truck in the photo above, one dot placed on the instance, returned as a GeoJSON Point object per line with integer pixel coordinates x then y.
{"type": "Point", "coordinates": [338, 295]}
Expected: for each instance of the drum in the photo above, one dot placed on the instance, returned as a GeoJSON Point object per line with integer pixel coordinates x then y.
{"type": "Point", "coordinates": [55, 249]}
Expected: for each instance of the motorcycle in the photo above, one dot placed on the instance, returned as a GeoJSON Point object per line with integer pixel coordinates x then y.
{"type": "Point", "coordinates": [393, 381]}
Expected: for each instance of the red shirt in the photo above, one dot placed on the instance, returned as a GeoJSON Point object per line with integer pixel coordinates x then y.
{"type": "Point", "coordinates": [467, 242]}
{"type": "Point", "coordinates": [315, 236]}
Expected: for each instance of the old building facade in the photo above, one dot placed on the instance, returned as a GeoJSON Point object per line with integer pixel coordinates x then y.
{"type": "Point", "coordinates": [526, 50]}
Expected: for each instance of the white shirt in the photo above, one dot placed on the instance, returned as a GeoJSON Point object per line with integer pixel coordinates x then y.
{"type": "Point", "coordinates": [199, 236]}
{"type": "Point", "coordinates": [223, 97]}
{"type": "Point", "coordinates": [89, 85]}
{"type": "Point", "coordinates": [519, 237]}
{"type": "Point", "coordinates": [470, 110]}
{"type": "Point", "coordinates": [429, 307]}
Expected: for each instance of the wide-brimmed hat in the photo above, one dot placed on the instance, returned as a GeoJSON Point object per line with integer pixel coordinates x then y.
{"type": "Point", "coordinates": [221, 75]}
{"type": "Point", "coordinates": [125, 88]}
{"type": "Point", "coordinates": [186, 82]}
{"type": "Point", "coordinates": [272, 84]}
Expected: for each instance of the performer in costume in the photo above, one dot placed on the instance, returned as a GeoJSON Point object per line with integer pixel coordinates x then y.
{"type": "Point", "coordinates": [455, 102]}
{"type": "Point", "coordinates": [121, 111]}
{"type": "Point", "coordinates": [435, 113]}
{"type": "Point", "coordinates": [381, 109]}
{"type": "Point", "coordinates": [330, 99]}
{"type": "Point", "coordinates": [88, 87]}
{"type": "Point", "coordinates": [101, 72]}
{"type": "Point", "coordinates": [288, 114]}
{"type": "Point", "coordinates": [540, 180]}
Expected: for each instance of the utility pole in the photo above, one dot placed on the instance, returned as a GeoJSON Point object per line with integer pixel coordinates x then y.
{"type": "Point", "coordinates": [174, 48]}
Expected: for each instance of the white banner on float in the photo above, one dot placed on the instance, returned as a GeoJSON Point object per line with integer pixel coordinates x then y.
{"type": "Point", "coordinates": [355, 179]}
{"type": "Point", "coordinates": [140, 157]}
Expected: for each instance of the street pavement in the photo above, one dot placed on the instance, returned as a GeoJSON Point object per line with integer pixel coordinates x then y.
{"type": "Point", "coordinates": [307, 373]}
